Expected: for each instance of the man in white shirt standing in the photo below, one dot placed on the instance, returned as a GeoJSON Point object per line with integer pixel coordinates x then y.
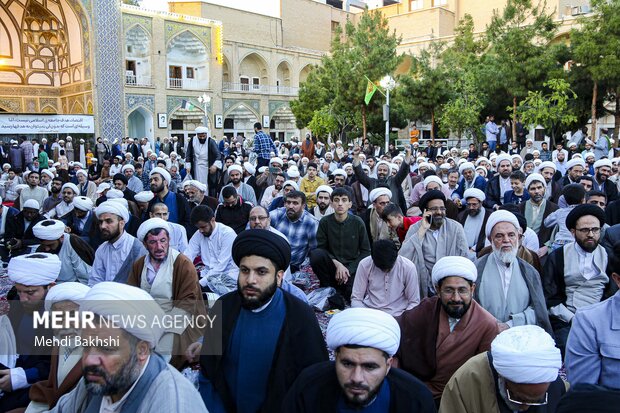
{"type": "Point", "coordinates": [213, 243]}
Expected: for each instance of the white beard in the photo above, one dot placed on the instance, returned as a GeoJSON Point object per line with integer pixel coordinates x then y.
{"type": "Point", "coordinates": [507, 257]}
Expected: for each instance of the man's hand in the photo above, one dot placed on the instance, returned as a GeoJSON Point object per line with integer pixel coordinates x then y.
{"type": "Point", "coordinates": [356, 152]}
{"type": "Point", "coordinates": [424, 224]}
{"type": "Point", "coordinates": [213, 169]}
{"type": "Point", "coordinates": [342, 273]}
{"type": "Point", "coordinates": [274, 193]}
{"type": "Point", "coordinates": [5, 380]}
{"type": "Point", "coordinates": [542, 251]}
{"type": "Point", "coordinates": [193, 352]}
{"type": "Point", "coordinates": [502, 326]}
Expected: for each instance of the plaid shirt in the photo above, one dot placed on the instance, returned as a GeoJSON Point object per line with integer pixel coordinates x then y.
{"type": "Point", "coordinates": [263, 145]}
{"type": "Point", "coordinates": [301, 234]}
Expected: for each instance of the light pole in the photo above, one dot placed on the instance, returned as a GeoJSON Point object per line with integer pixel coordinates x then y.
{"type": "Point", "coordinates": [205, 100]}
{"type": "Point", "coordinates": [388, 84]}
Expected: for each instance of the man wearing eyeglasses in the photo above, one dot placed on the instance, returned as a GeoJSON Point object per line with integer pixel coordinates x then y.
{"type": "Point", "coordinates": [443, 332]}
{"type": "Point", "coordinates": [520, 373]}
{"type": "Point", "coordinates": [507, 286]}
{"type": "Point", "coordinates": [432, 238]}
{"type": "Point", "coordinates": [574, 275]}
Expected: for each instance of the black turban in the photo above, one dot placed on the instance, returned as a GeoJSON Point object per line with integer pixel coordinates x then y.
{"type": "Point", "coordinates": [263, 243]}
{"type": "Point", "coordinates": [119, 177]}
{"type": "Point", "coordinates": [583, 210]}
{"type": "Point", "coordinates": [429, 196]}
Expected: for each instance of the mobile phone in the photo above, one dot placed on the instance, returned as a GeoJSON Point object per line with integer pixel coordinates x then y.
{"type": "Point", "coordinates": [273, 170]}
{"type": "Point", "coordinates": [429, 219]}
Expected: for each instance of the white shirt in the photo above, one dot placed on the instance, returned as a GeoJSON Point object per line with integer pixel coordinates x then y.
{"type": "Point", "coordinates": [505, 273]}
{"type": "Point", "coordinates": [586, 263]}
{"type": "Point", "coordinates": [63, 208]}
{"type": "Point", "coordinates": [115, 169]}
{"type": "Point", "coordinates": [109, 259]}
{"type": "Point", "coordinates": [504, 185]}
{"type": "Point", "coordinates": [107, 406]}
{"type": "Point", "coordinates": [535, 211]}
{"type": "Point", "coordinates": [214, 250]}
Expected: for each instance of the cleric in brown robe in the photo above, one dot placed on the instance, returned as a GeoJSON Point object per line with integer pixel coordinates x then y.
{"type": "Point", "coordinates": [171, 279]}
{"type": "Point", "coordinates": [444, 331]}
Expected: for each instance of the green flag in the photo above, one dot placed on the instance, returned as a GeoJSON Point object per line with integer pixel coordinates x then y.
{"type": "Point", "coordinates": [371, 88]}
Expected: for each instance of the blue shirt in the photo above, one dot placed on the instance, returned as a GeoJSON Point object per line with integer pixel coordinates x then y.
{"type": "Point", "coordinates": [171, 201]}
{"type": "Point", "coordinates": [301, 234]}
{"type": "Point", "coordinates": [263, 145]}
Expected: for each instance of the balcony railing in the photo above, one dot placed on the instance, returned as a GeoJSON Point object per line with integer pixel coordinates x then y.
{"type": "Point", "coordinates": [177, 83]}
{"type": "Point", "coordinates": [133, 80]}
{"type": "Point", "coordinates": [262, 89]}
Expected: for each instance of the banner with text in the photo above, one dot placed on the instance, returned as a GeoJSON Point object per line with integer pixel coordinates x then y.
{"type": "Point", "coordinates": [35, 124]}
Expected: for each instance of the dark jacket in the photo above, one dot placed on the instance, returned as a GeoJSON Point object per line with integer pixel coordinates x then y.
{"type": "Point", "coordinates": [462, 217]}
{"type": "Point", "coordinates": [394, 183]}
{"type": "Point", "coordinates": [183, 210]}
{"type": "Point", "coordinates": [317, 390]}
{"type": "Point", "coordinates": [544, 233]}
{"type": "Point", "coordinates": [236, 217]}
{"type": "Point", "coordinates": [479, 183]}
{"type": "Point", "coordinates": [300, 345]}
{"type": "Point", "coordinates": [15, 229]}
{"type": "Point", "coordinates": [493, 193]}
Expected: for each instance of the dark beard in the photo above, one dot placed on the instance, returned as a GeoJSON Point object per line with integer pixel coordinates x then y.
{"type": "Point", "coordinates": [473, 212]}
{"type": "Point", "coordinates": [585, 247]}
{"type": "Point", "coordinates": [455, 313]}
{"type": "Point", "coordinates": [262, 299]}
{"type": "Point", "coordinates": [118, 383]}
{"type": "Point", "coordinates": [360, 404]}
{"type": "Point", "coordinates": [157, 189]}
{"type": "Point", "coordinates": [110, 235]}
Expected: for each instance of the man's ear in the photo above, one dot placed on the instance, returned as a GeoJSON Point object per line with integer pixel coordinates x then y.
{"type": "Point", "coordinates": [616, 278]}
{"type": "Point", "coordinates": [279, 277]}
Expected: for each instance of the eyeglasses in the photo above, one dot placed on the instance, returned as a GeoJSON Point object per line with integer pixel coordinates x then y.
{"type": "Point", "coordinates": [462, 292]}
{"type": "Point", "coordinates": [586, 231]}
{"type": "Point", "coordinates": [540, 403]}
{"type": "Point", "coordinates": [260, 218]}
{"type": "Point", "coordinates": [470, 205]}
{"type": "Point", "coordinates": [437, 209]}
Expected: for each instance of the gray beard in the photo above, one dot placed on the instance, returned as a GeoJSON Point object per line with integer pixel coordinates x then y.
{"type": "Point", "coordinates": [505, 257]}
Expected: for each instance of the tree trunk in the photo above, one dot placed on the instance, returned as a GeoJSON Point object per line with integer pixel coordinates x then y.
{"type": "Point", "coordinates": [433, 126]}
{"type": "Point", "coordinates": [364, 121]}
{"type": "Point", "coordinates": [514, 118]}
{"type": "Point", "coordinates": [593, 115]}
{"type": "Point", "coordinates": [616, 120]}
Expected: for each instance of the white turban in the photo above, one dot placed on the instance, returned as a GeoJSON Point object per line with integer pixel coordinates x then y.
{"type": "Point", "coordinates": [574, 162]}
{"type": "Point", "coordinates": [291, 183]}
{"type": "Point", "coordinates": [323, 188]}
{"type": "Point", "coordinates": [547, 164]}
{"type": "Point", "coordinates": [237, 168]}
{"type": "Point", "coordinates": [466, 165]}
{"type": "Point", "coordinates": [588, 154]}
{"type": "Point", "coordinates": [526, 354]}
{"type": "Point", "coordinates": [480, 160]}
{"type": "Point", "coordinates": [112, 207]}
{"type": "Point", "coordinates": [445, 166]}
{"type": "Point", "coordinates": [293, 172]}
{"type": "Point", "coordinates": [83, 203]}
{"type": "Point", "coordinates": [32, 204]}
{"type": "Point", "coordinates": [276, 160]}
{"type": "Point", "coordinates": [110, 299]}
{"type": "Point", "coordinates": [34, 269]}
{"type": "Point", "coordinates": [262, 169]}
{"type": "Point", "coordinates": [501, 158]}
{"type": "Point", "coordinates": [144, 196]}
{"type": "Point", "coordinates": [114, 193]}
{"type": "Point", "coordinates": [340, 172]}
{"type": "Point", "coordinates": [201, 129]}
{"type": "Point", "coordinates": [249, 167]}
{"type": "Point", "coordinates": [454, 267]}
{"type": "Point", "coordinates": [382, 163]}
{"type": "Point", "coordinates": [198, 185]}
{"type": "Point", "coordinates": [432, 178]}
{"type": "Point", "coordinates": [8, 165]}
{"type": "Point", "coordinates": [165, 174]}
{"type": "Point", "coordinates": [602, 162]}
{"type": "Point", "coordinates": [81, 172]}
{"type": "Point", "coordinates": [377, 192]}
{"type": "Point", "coordinates": [534, 177]}
{"type": "Point", "coordinates": [474, 193]}
{"type": "Point", "coordinates": [104, 186]}
{"type": "Point", "coordinates": [49, 230]}
{"type": "Point", "coordinates": [72, 187]}
{"type": "Point", "coordinates": [48, 173]}
{"type": "Point", "coordinates": [516, 156]}
{"type": "Point", "coordinates": [128, 166]}
{"type": "Point", "coordinates": [500, 216]}
{"type": "Point", "coordinates": [67, 291]}
{"type": "Point", "coordinates": [365, 327]}
{"type": "Point", "coordinates": [150, 224]}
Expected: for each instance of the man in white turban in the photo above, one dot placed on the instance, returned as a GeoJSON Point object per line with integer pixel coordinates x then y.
{"type": "Point", "coordinates": [469, 180]}
{"type": "Point", "coordinates": [68, 191]}
{"type": "Point", "coordinates": [131, 371]}
{"type": "Point", "coordinates": [66, 366]}
{"type": "Point", "coordinates": [376, 227]}
{"type": "Point", "coordinates": [507, 286]}
{"type": "Point", "coordinates": [74, 253]}
{"type": "Point", "coordinates": [113, 258]}
{"type": "Point", "coordinates": [603, 170]}
{"type": "Point", "coordinates": [235, 174]}
{"type": "Point", "coordinates": [446, 330]}
{"type": "Point", "coordinates": [519, 373]}
{"type": "Point", "coordinates": [360, 337]}
{"type": "Point", "coordinates": [498, 184]}
{"type": "Point", "coordinates": [19, 229]}
{"type": "Point", "coordinates": [133, 182]}
{"type": "Point", "coordinates": [537, 208]}
{"type": "Point", "coordinates": [81, 220]}
{"type": "Point", "coordinates": [170, 278]}
{"type": "Point", "coordinates": [474, 219]}
{"type": "Point", "coordinates": [33, 275]}
{"type": "Point", "coordinates": [323, 202]}
{"type": "Point", "coordinates": [202, 160]}
{"type": "Point", "coordinates": [177, 204]}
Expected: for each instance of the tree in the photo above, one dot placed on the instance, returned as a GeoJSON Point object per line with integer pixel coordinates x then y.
{"type": "Point", "coordinates": [323, 123]}
{"type": "Point", "coordinates": [366, 49]}
{"type": "Point", "coordinates": [596, 47]}
{"type": "Point", "coordinates": [426, 86]}
{"type": "Point", "coordinates": [462, 112]}
{"type": "Point", "coordinates": [550, 110]}
{"type": "Point", "coordinates": [519, 58]}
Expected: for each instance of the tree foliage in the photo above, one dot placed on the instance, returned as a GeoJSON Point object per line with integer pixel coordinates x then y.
{"type": "Point", "coordinates": [461, 114]}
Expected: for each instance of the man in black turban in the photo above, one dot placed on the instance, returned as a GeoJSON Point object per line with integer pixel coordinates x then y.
{"type": "Point", "coordinates": [574, 275]}
{"type": "Point", "coordinates": [265, 336]}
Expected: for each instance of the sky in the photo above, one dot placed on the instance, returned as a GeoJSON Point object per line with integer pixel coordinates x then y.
{"type": "Point", "coordinates": [268, 7]}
